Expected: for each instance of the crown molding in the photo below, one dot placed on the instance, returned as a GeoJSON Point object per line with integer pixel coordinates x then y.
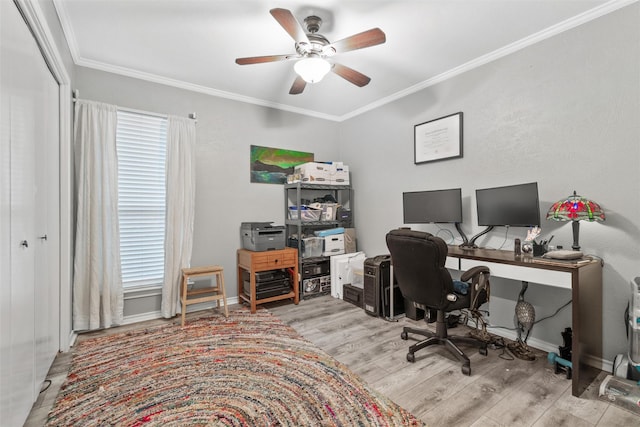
{"type": "Point", "coordinates": [199, 88]}
{"type": "Point", "coordinates": [554, 30]}
{"type": "Point", "coordinates": [67, 30]}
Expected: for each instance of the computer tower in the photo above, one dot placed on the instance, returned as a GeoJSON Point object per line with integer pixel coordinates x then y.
{"type": "Point", "coordinates": [413, 312]}
{"type": "Point", "coordinates": [376, 269]}
{"type": "Point", "coordinates": [377, 288]}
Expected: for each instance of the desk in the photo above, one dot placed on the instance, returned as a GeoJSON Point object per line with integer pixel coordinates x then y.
{"type": "Point", "coordinates": [253, 262]}
{"type": "Point", "coordinates": [584, 278]}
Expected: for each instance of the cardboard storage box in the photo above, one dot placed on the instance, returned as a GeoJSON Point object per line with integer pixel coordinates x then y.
{"type": "Point", "coordinates": [313, 173]}
{"type": "Point", "coordinates": [339, 174]}
{"type": "Point", "coordinates": [333, 245]}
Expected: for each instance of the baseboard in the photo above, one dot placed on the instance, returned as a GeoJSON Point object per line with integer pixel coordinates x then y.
{"type": "Point", "coordinates": [596, 362]}
{"type": "Point", "coordinates": [73, 336]}
{"type": "Point", "coordinates": [142, 317]}
{"type": "Point", "coordinates": [533, 342]}
{"type": "Point", "coordinates": [153, 315]}
{"type": "Point", "coordinates": [602, 364]}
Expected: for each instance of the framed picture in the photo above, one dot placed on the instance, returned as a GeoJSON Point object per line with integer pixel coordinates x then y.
{"type": "Point", "coordinates": [438, 139]}
{"type": "Point", "coordinates": [272, 165]}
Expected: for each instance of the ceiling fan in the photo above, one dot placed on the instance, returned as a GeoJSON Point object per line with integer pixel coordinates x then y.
{"type": "Point", "coordinates": [313, 50]}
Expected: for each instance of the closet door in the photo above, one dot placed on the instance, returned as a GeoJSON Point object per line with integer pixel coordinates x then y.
{"type": "Point", "coordinates": [18, 375]}
{"type": "Point", "coordinates": [46, 239]}
{"type": "Point", "coordinates": [29, 276]}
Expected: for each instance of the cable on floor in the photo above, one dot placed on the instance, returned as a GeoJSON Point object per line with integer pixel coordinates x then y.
{"type": "Point", "coordinates": [45, 386]}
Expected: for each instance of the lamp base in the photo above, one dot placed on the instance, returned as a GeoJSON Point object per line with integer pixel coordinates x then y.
{"type": "Point", "coordinates": [576, 233]}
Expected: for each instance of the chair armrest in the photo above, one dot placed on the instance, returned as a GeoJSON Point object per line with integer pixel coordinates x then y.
{"type": "Point", "coordinates": [472, 272]}
{"type": "Point", "coordinates": [479, 277]}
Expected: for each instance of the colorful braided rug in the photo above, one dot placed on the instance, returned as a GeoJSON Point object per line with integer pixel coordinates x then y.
{"type": "Point", "coordinates": [245, 370]}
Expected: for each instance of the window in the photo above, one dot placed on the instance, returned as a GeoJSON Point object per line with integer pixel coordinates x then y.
{"type": "Point", "coordinates": [141, 142]}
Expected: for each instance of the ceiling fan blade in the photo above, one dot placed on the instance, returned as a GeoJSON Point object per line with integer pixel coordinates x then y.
{"type": "Point", "coordinates": [286, 19]}
{"type": "Point", "coordinates": [297, 86]}
{"type": "Point", "coordinates": [361, 40]}
{"type": "Point", "coordinates": [262, 59]}
{"type": "Point", "coordinates": [351, 75]}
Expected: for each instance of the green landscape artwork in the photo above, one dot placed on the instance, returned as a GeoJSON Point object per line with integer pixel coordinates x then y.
{"type": "Point", "coordinates": [272, 165]}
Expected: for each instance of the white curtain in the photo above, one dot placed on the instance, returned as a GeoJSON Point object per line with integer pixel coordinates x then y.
{"type": "Point", "coordinates": [181, 142]}
{"type": "Point", "coordinates": [97, 286]}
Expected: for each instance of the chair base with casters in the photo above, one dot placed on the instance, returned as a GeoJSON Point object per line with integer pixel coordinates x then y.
{"type": "Point", "coordinates": [440, 337]}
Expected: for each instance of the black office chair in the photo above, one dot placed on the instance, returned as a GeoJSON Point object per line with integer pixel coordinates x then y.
{"type": "Point", "coordinates": [418, 260]}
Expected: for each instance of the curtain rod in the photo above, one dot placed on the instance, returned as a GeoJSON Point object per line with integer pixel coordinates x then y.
{"type": "Point", "coordinates": [76, 97]}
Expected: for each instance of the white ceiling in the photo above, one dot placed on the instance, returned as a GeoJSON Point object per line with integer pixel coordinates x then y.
{"type": "Point", "coordinates": [193, 44]}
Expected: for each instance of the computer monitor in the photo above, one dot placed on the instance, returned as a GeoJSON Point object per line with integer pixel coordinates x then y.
{"type": "Point", "coordinates": [513, 205]}
{"type": "Point", "coordinates": [434, 206]}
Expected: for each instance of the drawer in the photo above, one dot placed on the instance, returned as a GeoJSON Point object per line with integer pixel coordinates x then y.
{"type": "Point", "coordinates": [272, 260]}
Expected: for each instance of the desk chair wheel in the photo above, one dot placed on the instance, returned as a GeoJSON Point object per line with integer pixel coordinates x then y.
{"type": "Point", "coordinates": [404, 335]}
{"type": "Point", "coordinates": [466, 369]}
{"type": "Point", "coordinates": [411, 357]}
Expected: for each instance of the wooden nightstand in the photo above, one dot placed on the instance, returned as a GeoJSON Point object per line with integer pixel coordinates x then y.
{"type": "Point", "coordinates": [254, 262]}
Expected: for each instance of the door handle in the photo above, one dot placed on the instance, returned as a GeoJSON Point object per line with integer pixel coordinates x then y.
{"type": "Point", "coordinates": [43, 237]}
{"type": "Point", "coordinates": [24, 244]}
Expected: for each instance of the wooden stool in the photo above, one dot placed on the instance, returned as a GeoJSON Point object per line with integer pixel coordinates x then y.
{"type": "Point", "coordinates": [217, 290]}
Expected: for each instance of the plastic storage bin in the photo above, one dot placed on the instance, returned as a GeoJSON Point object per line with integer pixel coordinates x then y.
{"type": "Point", "coordinates": [305, 213]}
{"type": "Point", "coordinates": [358, 275]}
{"type": "Point", "coordinates": [329, 211]}
{"type": "Point", "coordinates": [309, 247]}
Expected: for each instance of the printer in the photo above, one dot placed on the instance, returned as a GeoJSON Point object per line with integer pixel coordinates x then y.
{"type": "Point", "coordinates": [262, 236]}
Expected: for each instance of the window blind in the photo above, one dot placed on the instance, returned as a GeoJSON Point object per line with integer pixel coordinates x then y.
{"type": "Point", "coordinates": [141, 146]}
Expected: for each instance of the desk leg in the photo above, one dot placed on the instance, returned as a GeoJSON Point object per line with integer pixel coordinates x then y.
{"type": "Point", "coordinates": [296, 285]}
{"type": "Point", "coordinates": [253, 291]}
{"type": "Point", "coordinates": [587, 326]}
{"type": "Point", "coordinates": [240, 284]}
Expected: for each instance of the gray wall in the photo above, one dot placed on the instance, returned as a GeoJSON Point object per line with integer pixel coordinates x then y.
{"type": "Point", "coordinates": [564, 113]}
{"type": "Point", "coordinates": [224, 195]}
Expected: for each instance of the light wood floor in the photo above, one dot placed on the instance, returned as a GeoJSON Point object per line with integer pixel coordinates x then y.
{"type": "Point", "coordinates": [499, 392]}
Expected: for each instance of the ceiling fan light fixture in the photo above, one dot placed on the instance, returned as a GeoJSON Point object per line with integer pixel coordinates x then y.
{"type": "Point", "coordinates": [312, 69]}
{"type": "Point", "coordinates": [313, 49]}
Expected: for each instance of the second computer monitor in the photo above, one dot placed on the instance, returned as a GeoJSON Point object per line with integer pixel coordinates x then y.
{"type": "Point", "coordinates": [513, 205]}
